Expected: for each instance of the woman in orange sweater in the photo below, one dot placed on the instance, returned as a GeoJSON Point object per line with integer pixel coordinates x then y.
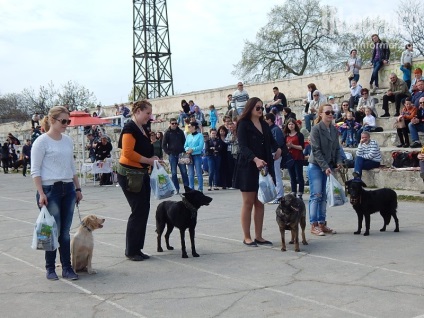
{"type": "Point", "coordinates": [133, 176]}
{"type": "Point", "coordinates": [408, 112]}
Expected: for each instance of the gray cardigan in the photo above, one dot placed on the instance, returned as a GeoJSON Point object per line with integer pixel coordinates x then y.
{"type": "Point", "coordinates": [325, 147]}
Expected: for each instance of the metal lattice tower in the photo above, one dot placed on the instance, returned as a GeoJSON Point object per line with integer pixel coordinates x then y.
{"type": "Point", "coordinates": [151, 50]}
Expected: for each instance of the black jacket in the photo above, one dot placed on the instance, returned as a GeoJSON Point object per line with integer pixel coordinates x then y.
{"type": "Point", "coordinates": [384, 50]}
{"type": "Point", "coordinates": [173, 141]}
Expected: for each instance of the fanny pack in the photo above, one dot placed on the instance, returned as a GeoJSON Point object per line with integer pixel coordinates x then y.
{"type": "Point", "coordinates": [134, 176]}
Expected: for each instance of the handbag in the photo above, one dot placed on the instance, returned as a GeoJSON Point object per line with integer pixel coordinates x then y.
{"type": "Point", "coordinates": [160, 182]}
{"type": "Point", "coordinates": [350, 74]}
{"type": "Point", "coordinates": [185, 159]}
{"type": "Point", "coordinates": [45, 236]}
{"type": "Point", "coordinates": [399, 124]}
{"type": "Point", "coordinates": [335, 192]}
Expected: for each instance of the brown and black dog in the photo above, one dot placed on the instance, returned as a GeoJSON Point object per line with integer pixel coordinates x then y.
{"type": "Point", "coordinates": [290, 213]}
{"type": "Point", "coordinates": [82, 244]}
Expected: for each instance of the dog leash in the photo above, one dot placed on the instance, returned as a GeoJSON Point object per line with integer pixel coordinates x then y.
{"type": "Point", "coordinates": [79, 214]}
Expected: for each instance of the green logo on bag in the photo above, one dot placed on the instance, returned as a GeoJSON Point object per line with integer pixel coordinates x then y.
{"type": "Point", "coordinates": [336, 190]}
{"type": "Point", "coordinates": [161, 179]}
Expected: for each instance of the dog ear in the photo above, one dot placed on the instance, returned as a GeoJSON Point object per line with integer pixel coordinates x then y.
{"type": "Point", "coordinates": [187, 189]}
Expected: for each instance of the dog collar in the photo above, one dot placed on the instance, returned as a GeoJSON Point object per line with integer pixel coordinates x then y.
{"type": "Point", "coordinates": [190, 207]}
{"type": "Point", "coordinates": [85, 226]}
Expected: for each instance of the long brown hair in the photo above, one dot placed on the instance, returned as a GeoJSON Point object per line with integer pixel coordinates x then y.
{"type": "Point", "coordinates": [286, 126]}
{"type": "Point", "coordinates": [248, 108]}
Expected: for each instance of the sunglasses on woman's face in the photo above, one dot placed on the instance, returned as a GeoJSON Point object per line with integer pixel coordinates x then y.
{"type": "Point", "coordinates": [258, 108]}
{"type": "Point", "coordinates": [64, 121]}
{"type": "Point", "coordinates": [329, 112]}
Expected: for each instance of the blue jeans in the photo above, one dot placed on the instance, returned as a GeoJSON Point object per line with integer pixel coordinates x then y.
{"type": "Point", "coordinates": [197, 164]}
{"type": "Point", "coordinates": [173, 162]}
{"type": "Point", "coordinates": [364, 164]}
{"type": "Point", "coordinates": [318, 197]}
{"type": "Point", "coordinates": [375, 69]}
{"type": "Point", "coordinates": [181, 118]}
{"type": "Point", "coordinates": [414, 129]}
{"type": "Point", "coordinates": [308, 119]}
{"type": "Point", "coordinates": [214, 163]}
{"type": "Point", "coordinates": [61, 198]}
{"type": "Point", "coordinates": [355, 77]}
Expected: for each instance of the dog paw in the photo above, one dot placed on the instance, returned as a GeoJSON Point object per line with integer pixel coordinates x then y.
{"type": "Point", "coordinates": [195, 255]}
{"type": "Point", "coordinates": [185, 256]}
{"type": "Point", "coordinates": [305, 243]}
{"type": "Point", "coordinates": [297, 250]}
{"type": "Point", "coordinates": [92, 271]}
{"type": "Point", "coordinates": [383, 229]}
{"type": "Point", "coordinates": [396, 230]}
{"type": "Point", "coordinates": [366, 233]}
{"type": "Point", "coordinates": [291, 242]}
{"type": "Point", "coordinates": [283, 249]}
{"type": "Point", "coordinates": [170, 248]}
{"type": "Point", "coordinates": [357, 232]}
{"type": "Point", "coordinates": [160, 249]}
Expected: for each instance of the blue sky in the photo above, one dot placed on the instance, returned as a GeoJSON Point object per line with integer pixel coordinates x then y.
{"type": "Point", "coordinates": [90, 42]}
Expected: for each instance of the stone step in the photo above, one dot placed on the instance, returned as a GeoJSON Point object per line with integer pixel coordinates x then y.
{"type": "Point", "coordinates": [386, 153]}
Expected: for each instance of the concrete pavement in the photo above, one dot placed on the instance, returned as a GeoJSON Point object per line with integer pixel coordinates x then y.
{"type": "Point", "coordinates": [342, 275]}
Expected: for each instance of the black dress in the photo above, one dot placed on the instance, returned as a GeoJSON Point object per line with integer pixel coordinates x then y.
{"type": "Point", "coordinates": [253, 143]}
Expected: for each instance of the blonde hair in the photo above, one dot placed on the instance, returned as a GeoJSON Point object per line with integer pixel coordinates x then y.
{"type": "Point", "coordinates": [320, 110]}
{"type": "Point", "coordinates": [54, 112]}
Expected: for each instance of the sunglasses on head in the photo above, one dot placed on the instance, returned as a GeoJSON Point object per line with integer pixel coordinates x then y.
{"type": "Point", "coordinates": [64, 121]}
{"type": "Point", "coordinates": [258, 108]}
{"type": "Point", "coordinates": [329, 112]}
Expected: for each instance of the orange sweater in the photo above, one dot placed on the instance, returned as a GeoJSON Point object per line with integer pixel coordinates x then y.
{"type": "Point", "coordinates": [128, 156]}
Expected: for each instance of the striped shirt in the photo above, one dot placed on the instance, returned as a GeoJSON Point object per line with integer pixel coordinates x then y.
{"type": "Point", "coordinates": [370, 151]}
{"type": "Point", "coordinates": [239, 99]}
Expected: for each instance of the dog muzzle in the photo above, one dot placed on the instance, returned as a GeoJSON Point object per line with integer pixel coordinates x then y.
{"type": "Point", "coordinates": [355, 200]}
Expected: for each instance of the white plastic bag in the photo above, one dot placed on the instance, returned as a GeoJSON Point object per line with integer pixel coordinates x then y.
{"type": "Point", "coordinates": [335, 192]}
{"type": "Point", "coordinates": [160, 182]}
{"type": "Point", "coordinates": [45, 235]}
{"type": "Point", "coordinates": [266, 191]}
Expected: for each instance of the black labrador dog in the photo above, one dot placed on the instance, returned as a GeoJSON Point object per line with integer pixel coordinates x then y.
{"type": "Point", "coordinates": [183, 215]}
{"type": "Point", "coordinates": [289, 214]}
{"type": "Point", "coordinates": [367, 202]}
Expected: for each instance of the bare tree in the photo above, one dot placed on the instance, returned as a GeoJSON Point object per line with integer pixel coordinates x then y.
{"type": "Point", "coordinates": [358, 36]}
{"type": "Point", "coordinates": [298, 39]}
{"type": "Point", "coordinates": [411, 17]}
{"type": "Point", "coordinates": [11, 108]}
{"type": "Point", "coordinates": [42, 101]}
{"type": "Point", "coordinates": [75, 95]}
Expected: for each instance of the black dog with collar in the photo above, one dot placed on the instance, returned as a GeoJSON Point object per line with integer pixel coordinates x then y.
{"type": "Point", "coordinates": [366, 203]}
{"type": "Point", "coordinates": [183, 215]}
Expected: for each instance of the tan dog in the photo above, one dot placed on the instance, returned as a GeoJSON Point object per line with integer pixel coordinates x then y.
{"type": "Point", "coordinates": [82, 244]}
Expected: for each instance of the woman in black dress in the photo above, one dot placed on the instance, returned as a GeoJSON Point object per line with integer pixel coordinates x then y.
{"type": "Point", "coordinates": [256, 145]}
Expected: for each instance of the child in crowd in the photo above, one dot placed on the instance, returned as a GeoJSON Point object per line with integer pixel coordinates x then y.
{"type": "Point", "coordinates": [406, 70]}
{"type": "Point", "coordinates": [213, 116]}
{"type": "Point", "coordinates": [348, 131]}
{"type": "Point", "coordinates": [368, 122]}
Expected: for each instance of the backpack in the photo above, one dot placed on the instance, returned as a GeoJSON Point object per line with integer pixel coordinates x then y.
{"type": "Point", "coordinates": [405, 159]}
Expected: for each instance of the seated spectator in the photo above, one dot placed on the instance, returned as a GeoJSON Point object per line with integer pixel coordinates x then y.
{"type": "Point", "coordinates": [416, 125]}
{"type": "Point", "coordinates": [366, 101]}
{"type": "Point", "coordinates": [200, 117]}
{"type": "Point", "coordinates": [100, 111]}
{"type": "Point", "coordinates": [395, 94]}
{"type": "Point", "coordinates": [355, 93]}
{"type": "Point", "coordinates": [368, 123]}
{"type": "Point", "coordinates": [368, 155]}
{"type": "Point", "coordinates": [418, 76]}
{"type": "Point", "coordinates": [35, 133]}
{"type": "Point", "coordinates": [184, 112]}
{"type": "Point", "coordinates": [333, 104]}
{"type": "Point", "coordinates": [287, 112]}
{"type": "Point", "coordinates": [348, 130]}
{"type": "Point", "coordinates": [418, 93]}
{"type": "Point", "coordinates": [310, 112]}
{"type": "Point", "coordinates": [103, 148]}
{"type": "Point", "coordinates": [279, 101]}
{"type": "Point", "coordinates": [341, 116]}
{"type": "Point", "coordinates": [35, 119]}
{"type": "Point", "coordinates": [360, 114]}
{"type": "Point", "coordinates": [408, 112]}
